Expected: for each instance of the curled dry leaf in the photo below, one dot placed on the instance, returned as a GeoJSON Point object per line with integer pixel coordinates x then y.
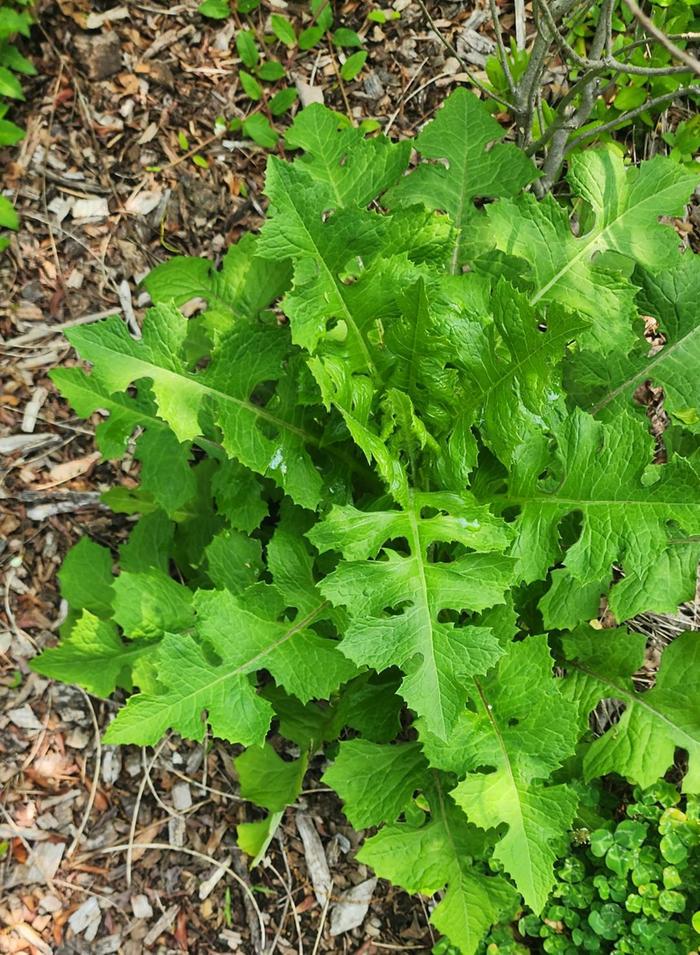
{"type": "Point", "coordinates": [351, 908]}
{"type": "Point", "coordinates": [68, 470]}
{"type": "Point", "coordinates": [315, 857]}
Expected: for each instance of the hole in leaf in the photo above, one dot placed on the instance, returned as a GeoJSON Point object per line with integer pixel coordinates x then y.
{"type": "Point", "coordinates": [427, 512]}
{"type": "Point", "coordinates": [570, 527]}
{"type": "Point", "coordinates": [399, 544]}
{"type": "Point", "coordinates": [607, 713]}
{"type": "Point", "coordinates": [398, 609]}
{"type": "Point", "coordinates": [448, 616]}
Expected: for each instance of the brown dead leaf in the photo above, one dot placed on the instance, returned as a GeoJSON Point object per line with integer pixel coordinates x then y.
{"type": "Point", "coordinates": [59, 920]}
{"type": "Point", "coordinates": [19, 851]}
{"type": "Point", "coordinates": [147, 835]}
{"type": "Point", "coordinates": [92, 869]}
{"type": "Point", "coordinates": [308, 903]}
{"type": "Point", "coordinates": [46, 771]}
{"type": "Point", "coordinates": [101, 801]}
{"type": "Point", "coordinates": [181, 930]}
{"type": "Point", "coordinates": [77, 10]}
{"type": "Point", "coordinates": [69, 470]}
{"type": "Point", "coordinates": [64, 96]}
{"type": "Point", "coordinates": [129, 83]}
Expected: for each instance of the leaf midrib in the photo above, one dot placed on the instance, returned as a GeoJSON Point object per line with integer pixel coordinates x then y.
{"type": "Point", "coordinates": [511, 774]}
{"type": "Point", "coordinates": [329, 168]}
{"type": "Point", "coordinates": [458, 859]}
{"type": "Point", "coordinates": [597, 238]}
{"type": "Point", "coordinates": [634, 699]}
{"type": "Point", "coordinates": [582, 502]}
{"type": "Point", "coordinates": [110, 403]}
{"type": "Point", "coordinates": [564, 335]}
{"type": "Point", "coordinates": [428, 652]}
{"type": "Point", "coordinates": [173, 376]}
{"type": "Point", "coordinates": [134, 415]}
{"type": "Point", "coordinates": [645, 372]}
{"type": "Point", "coordinates": [244, 668]}
{"type": "Point", "coordinates": [460, 216]}
{"type": "Point", "coordinates": [371, 367]}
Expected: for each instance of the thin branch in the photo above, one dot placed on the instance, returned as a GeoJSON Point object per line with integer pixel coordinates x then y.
{"type": "Point", "coordinates": [598, 60]}
{"type": "Point", "coordinates": [608, 61]}
{"type": "Point", "coordinates": [611, 63]}
{"type": "Point", "coordinates": [562, 42]}
{"type": "Point", "coordinates": [287, 886]}
{"type": "Point", "coordinates": [520, 34]}
{"type": "Point", "coordinates": [502, 53]}
{"type": "Point", "coordinates": [95, 779]}
{"type": "Point", "coordinates": [562, 105]}
{"type": "Point", "coordinates": [671, 36]}
{"type": "Point", "coordinates": [633, 113]}
{"type": "Point", "coordinates": [532, 77]}
{"type": "Point", "coordinates": [165, 847]}
{"type": "Point", "coordinates": [472, 79]}
{"type": "Point", "coordinates": [339, 78]}
{"type": "Point", "coordinates": [661, 37]}
{"type": "Point", "coordinates": [601, 34]}
{"type": "Point", "coordinates": [557, 152]}
{"type": "Point", "coordinates": [137, 809]}
{"type": "Point", "coordinates": [322, 923]}
{"type": "Point", "coordinates": [402, 99]}
{"type": "Point", "coordinates": [609, 37]}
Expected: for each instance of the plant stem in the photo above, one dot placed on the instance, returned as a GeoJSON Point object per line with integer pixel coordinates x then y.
{"type": "Point", "coordinates": [693, 90]}
{"type": "Point", "coordinates": [662, 38]}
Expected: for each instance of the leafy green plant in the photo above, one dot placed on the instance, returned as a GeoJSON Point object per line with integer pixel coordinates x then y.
{"type": "Point", "coordinates": [684, 142]}
{"type": "Point", "coordinates": [616, 65]}
{"type": "Point", "coordinates": [310, 29]}
{"type": "Point", "coordinates": [15, 18]}
{"type": "Point", "coordinates": [627, 91]}
{"type": "Point", "coordinates": [633, 887]}
{"type": "Point", "coordinates": [397, 462]}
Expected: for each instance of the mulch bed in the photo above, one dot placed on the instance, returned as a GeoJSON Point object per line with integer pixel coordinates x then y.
{"type": "Point", "coordinates": [106, 190]}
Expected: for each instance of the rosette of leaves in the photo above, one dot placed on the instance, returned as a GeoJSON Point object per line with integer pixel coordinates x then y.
{"type": "Point", "coordinates": [383, 495]}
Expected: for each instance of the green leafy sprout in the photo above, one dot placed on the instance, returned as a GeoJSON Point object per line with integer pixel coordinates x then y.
{"type": "Point", "coordinates": [632, 885]}
{"type": "Point", "coordinates": [398, 464]}
{"type": "Point", "coordinates": [619, 92]}
{"type": "Point", "coordinates": [15, 19]}
{"type": "Point", "coordinates": [265, 56]}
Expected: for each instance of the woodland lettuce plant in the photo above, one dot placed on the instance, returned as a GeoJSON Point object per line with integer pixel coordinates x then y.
{"type": "Point", "coordinates": [387, 476]}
